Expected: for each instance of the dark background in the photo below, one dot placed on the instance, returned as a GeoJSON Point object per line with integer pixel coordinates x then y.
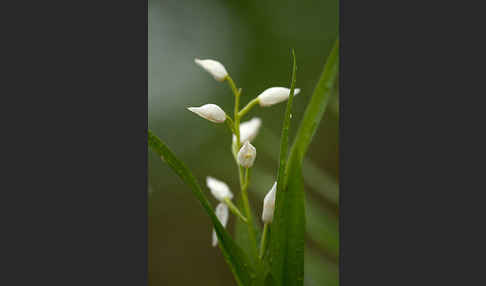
{"type": "Point", "coordinates": [253, 40]}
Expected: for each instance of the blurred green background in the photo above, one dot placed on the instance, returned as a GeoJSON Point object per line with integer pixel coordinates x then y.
{"type": "Point", "coordinates": [252, 39]}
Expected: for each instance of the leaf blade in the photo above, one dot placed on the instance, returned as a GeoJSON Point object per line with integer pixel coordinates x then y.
{"type": "Point", "coordinates": [234, 255]}
{"type": "Point", "coordinates": [317, 106]}
{"type": "Point", "coordinates": [287, 243]}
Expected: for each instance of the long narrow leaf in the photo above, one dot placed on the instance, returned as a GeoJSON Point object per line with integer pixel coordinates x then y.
{"type": "Point", "coordinates": [234, 255]}
{"type": "Point", "coordinates": [316, 107]}
{"type": "Point", "coordinates": [288, 226]}
{"type": "Point", "coordinates": [287, 244]}
{"type": "Point", "coordinates": [284, 143]}
{"type": "Point", "coordinates": [321, 227]}
{"type": "Point", "coordinates": [316, 178]}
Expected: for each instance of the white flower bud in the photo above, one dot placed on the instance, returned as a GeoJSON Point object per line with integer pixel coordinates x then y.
{"type": "Point", "coordinates": [269, 204]}
{"type": "Point", "coordinates": [219, 189]}
{"type": "Point", "coordinates": [275, 95]}
{"type": "Point", "coordinates": [211, 112]}
{"type": "Point", "coordinates": [246, 155]}
{"type": "Point", "coordinates": [215, 68]}
{"type": "Point", "coordinates": [249, 130]}
{"type": "Point", "coordinates": [222, 214]}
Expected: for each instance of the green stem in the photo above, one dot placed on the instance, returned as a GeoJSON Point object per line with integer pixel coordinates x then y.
{"type": "Point", "coordinates": [247, 177]}
{"type": "Point", "coordinates": [232, 85]}
{"type": "Point", "coordinates": [235, 210]}
{"type": "Point", "coordinates": [230, 124]}
{"type": "Point", "coordinates": [246, 206]}
{"type": "Point", "coordinates": [243, 178]}
{"type": "Point", "coordinates": [237, 107]}
{"type": "Point", "coordinates": [263, 241]}
{"type": "Point", "coordinates": [248, 107]}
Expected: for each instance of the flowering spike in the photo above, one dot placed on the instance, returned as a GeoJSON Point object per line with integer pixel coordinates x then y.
{"type": "Point", "coordinates": [222, 214]}
{"type": "Point", "coordinates": [246, 155]}
{"type": "Point", "coordinates": [249, 130]}
{"type": "Point", "coordinates": [269, 204]}
{"type": "Point", "coordinates": [219, 189]}
{"type": "Point", "coordinates": [275, 95]}
{"type": "Point", "coordinates": [215, 68]}
{"type": "Point", "coordinates": [211, 112]}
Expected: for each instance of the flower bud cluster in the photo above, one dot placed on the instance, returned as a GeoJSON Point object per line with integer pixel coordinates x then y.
{"type": "Point", "coordinates": [243, 150]}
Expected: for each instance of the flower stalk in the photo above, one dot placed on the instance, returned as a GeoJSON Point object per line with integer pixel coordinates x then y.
{"type": "Point", "coordinates": [263, 241]}
{"type": "Point", "coordinates": [230, 123]}
{"type": "Point", "coordinates": [235, 210]}
{"type": "Point", "coordinates": [244, 177]}
{"type": "Point", "coordinates": [248, 107]}
{"type": "Point", "coordinates": [235, 91]}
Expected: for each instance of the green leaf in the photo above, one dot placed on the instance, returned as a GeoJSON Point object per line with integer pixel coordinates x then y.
{"type": "Point", "coordinates": [288, 227]}
{"type": "Point", "coordinates": [284, 143]}
{"type": "Point", "coordinates": [316, 107]}
{"type": "Point", "coordinates": [234, 255]}
{"type": "Point", "coordinates": [316, 178]}
{"type": "Point", "coordinates": [322, 227]}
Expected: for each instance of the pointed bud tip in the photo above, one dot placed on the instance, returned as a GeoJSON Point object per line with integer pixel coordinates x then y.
{"type": "Point", "coordinates": [215, 68]}
{"type": "Point", "coordinates": [209, 111]}
{"type": "Point", "coordinates": [269, 204]}
{"type": "Point", "coordinates": [219, 189]}
{"type": "Point", "coordinates": [275, 95]}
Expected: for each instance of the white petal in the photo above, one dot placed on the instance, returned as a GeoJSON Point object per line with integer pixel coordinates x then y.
{"type": "Point", "coordinates": [275, 95]}
{"type": "Point", "coordinates": [219, 189]}
{"type": "Point", "coordinates": [249, 130]}
{"type": "Point", "coordinates": [269, 204]}
{"type": "Point", "coordinates": [246, 155]}
{"type": "Point", "coordinates": [215, 68]}
{"type": "Point", "coordinates": [211, 112]}
{"type": "Point", "coordinates": [222, 214]}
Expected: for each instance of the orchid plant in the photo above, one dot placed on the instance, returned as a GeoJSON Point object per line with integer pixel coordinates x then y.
{"type": "Point", "coordinates": [244, 152]}
{"type": "Point", "coordinates": [274, 254]}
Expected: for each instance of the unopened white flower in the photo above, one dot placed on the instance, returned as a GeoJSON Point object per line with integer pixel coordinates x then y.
{"type": "Point", "coordinates": [246, 155]}
{"type": "Point", "coordinates": [269, 204]}
{"type": "Point", "coordinates": [211, 112]}
{"type": "Point", "coordinates": [275, 95]}
{"type": "Point", "coordinates": [222, 214]}
{"type": "Point", "coordinates": [249, 130]}
{"type": "Point", "coordinates": [219, 189]}
{"type": "Point", "coordinates": [215, 68]}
